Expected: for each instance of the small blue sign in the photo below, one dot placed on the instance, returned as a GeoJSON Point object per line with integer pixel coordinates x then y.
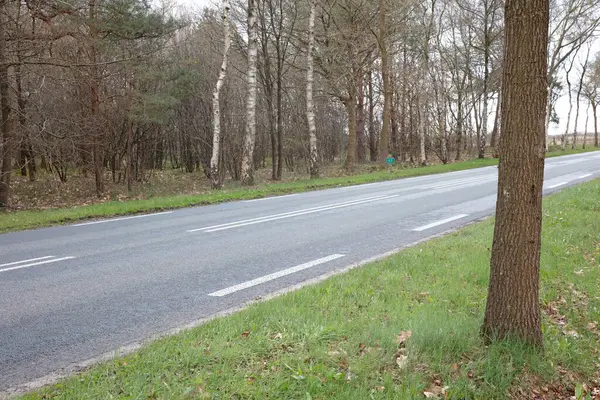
{"type": "Point", "coordinates": [390, 160]}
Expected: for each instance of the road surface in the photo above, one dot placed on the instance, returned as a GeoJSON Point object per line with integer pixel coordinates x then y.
{"type": "Point", "coordinates": [70, 293]}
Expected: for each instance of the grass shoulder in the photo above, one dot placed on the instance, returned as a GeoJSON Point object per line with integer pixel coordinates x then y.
{"type": "Point", "coordinates": [406, 327]}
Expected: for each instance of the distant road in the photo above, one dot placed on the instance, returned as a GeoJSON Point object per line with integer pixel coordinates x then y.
{"type": "Point", "coordinates": [70, 293]}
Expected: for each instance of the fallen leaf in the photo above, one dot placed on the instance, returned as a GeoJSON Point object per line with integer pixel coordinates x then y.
{"type": "Point", "coordinates": [403, 337]}
{"type": "Point", "coordinates": [579, 273]}
{"type": "Point", "coordinates": [245, 333]}
{"type": "Point", "coordinates": [401, 360]}
{"type": "Point", "coordinates": [278, 336]}
{"type": "Point", "coordinates": [454, 367]}
{"type": "Point", "coordinates": [592, 325]}
{"type": "Point", "coordinates": [361, 349]}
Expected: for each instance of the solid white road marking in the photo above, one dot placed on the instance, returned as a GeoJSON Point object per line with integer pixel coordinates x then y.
{"type": "Point", "coordinates": [441, 222]}
{"type": "Point", "coordinates": [583, 176]}
{"type": "Point", "coordinates": [123, 218]}
{"type": "Point", "coordinates": [290, 214]}
{"type": "Point", "coordinates": [279, 274]}
{"type": "Point", "coordinates": [36, 263]}
{"type": "Point", "coordinates": [26, 261]}
{"type": "Point", "coordinates": [557, 185]}
{"type": "Point", "coordinates": [271, 198]}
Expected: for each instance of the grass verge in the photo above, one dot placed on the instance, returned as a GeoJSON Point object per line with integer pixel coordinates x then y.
{"type": "Point", "coordinates": [20, 220]}
{"type": "Point", "coordinates": [403, 328]}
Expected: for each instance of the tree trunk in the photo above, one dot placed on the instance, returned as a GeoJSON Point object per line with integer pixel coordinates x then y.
{"type": "Point", "coordinates": [98, 153]}
{"type": "Point", "coordinates": [587, 119]}
{"type": "Point", "coordinates": [279, 112]}
{"type": "Point", "coordinates": [496, 128]}
{"type": "Point", "coordinates": [594, 113]}
{"type": "Point", "coordinates": [310, 105]}
{"type": "Point", "coordinates": [215, 174]}
{"type": "Point", "coordinates": [565, 135]}
{"type": "Point", "coordinates": [5, 123]}
{"type": "Point", "coordinates": [385, 74]}
{"type": "Point", "coordinates": [513, 308]}
{"type": "Point", "coordinates": [360, 119]}
{"type": "Point", "coordinates": [129, 157]}
{"type": "Point", "coordinates": [350, 104]}
{"type": "Point", "coordinates": [250, 136]}
{"type": "Point", "coordinates": [372, 133]}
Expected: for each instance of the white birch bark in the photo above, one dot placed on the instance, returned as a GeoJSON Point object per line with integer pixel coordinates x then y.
{"type": "Point", "coordinates": [310, 105]}
{"type": "Point", "coordinates": [250, 137]}
{"type": "Point", "coordinates": [214, 160]}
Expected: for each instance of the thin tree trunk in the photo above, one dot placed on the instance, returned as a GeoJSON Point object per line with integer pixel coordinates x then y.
{"type": "Point", "coordinates": [565, 135]}
{"type": "Point", "coordinates": [279, 113]}
{"type": "Point", "coordinates": [250, 136]}
{"type": "Point", "coordinates": [422, 134]}
{"type": "Point", "coordinates": [350, 104]}
{"type": "Point", "coordinates": [310, 105]}
{"type": "Point", "coordinates": [98, 153]}
{"type": "Point", "coordinates": [577, 101]}
{"type": "Point", "coordinates": [513, 308]}
{"type": "Point", "coordinates": [130, 157]}
{"type": "Point", "coordinates": [594, 113]}
{"type": "Point", "coordinates": [5, 124]}
{"type": "Point", "coordinates": [215, 174]}
{"type": "Point", "coordinates": [587, 119]}
{"type": "Point", "coordinates": [372, 133]}
{"type": "Point", "coordinates": [360, 119]}
{"type": "Point", "coordinates": [496, 128]}
{"type": "Point", "coordinates": [385, 74]}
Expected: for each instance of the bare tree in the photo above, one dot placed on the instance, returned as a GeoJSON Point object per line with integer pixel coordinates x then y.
{"type": "Point", "coordinates": [584, 67]}
{"type": "Point", "coordinates": [310, 105]}
{"type": "Point", "coordinates": [214, 160]}
{"type": "Point", "coordinates": [250, 136]}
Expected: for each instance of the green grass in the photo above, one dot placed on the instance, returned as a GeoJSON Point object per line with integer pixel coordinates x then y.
{"type": "Point", "coordinates": [338, 339]}
{"type": "Point", "coordinates": [20, 220]}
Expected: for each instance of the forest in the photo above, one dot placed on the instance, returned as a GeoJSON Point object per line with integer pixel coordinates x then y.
{"type": "Point", "coordinates": [116, 93]}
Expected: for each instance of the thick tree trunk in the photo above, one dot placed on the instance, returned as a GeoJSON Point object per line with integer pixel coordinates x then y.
{"type": "Point", "coordinates": [513, 308]}
{"type": "Point", "coordinates": [310, 104]}
{"type": "Point", "coordinates": [215, 174]}
{"type": "Point", "coordinates": [7, 139]}
{"type": "Point", "coordinates": [250, 136]}
{"type": "Point", "coordinates": [387, 92]}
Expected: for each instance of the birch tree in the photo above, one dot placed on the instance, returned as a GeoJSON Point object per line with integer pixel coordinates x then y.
{"type": "Point", "coordinates": [310, 105]}
{"type": "Point", "coordinates": [250, 136]}
{"type": "Point", "coordinates": [214, 160]}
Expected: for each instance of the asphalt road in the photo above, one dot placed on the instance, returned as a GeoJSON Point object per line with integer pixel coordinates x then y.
{"type": "Point", "coordinates": [70, 293]}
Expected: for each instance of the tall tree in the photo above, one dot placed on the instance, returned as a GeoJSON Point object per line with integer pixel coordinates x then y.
{"type": "Point", "coordinates": [250, 136]}
{"type": "Point", "coordinates": [310, 104]}
{"type": "Point", "coordinates": [387, 88]}
{"type": "Point", "coordinates": [513, 307]}
{"type": "Point", "coordinates": [5, 124]}
{"type": "Point", "coordinates": [214, 160]}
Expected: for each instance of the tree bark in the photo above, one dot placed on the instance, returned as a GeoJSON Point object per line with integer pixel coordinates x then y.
{"type": "Point", "coordinates": [5, 123]}
{"type": "Point", "coordinates": [372, 133]}
{"type": "Point", "coordinates": [350, 104]}
{"type": "Point", "coordinates": [385, 74]}
{"type": "Point", "coordinates": [595, 114]}
{"type": "Point", "coordinates": [360, 119]}
{"type": "Point", "coordinates": [215, 174]}
{"type": "Point", "coordinates": [310, 104]}
{"type": "Point", "coordinates": [250, 136]}
{"type": "Point", "coordinates": [513, 308]}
